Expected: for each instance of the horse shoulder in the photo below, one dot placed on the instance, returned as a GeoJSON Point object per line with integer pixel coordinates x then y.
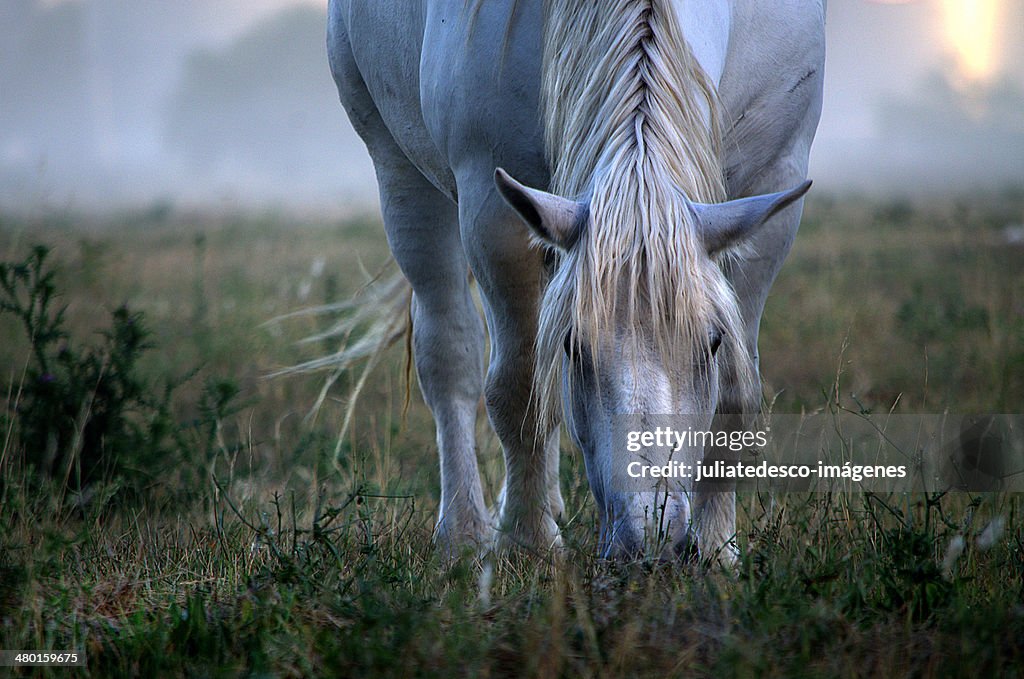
{"type": "Point", "coordinates": [374, 50]}
{"type": "Point", "coordinates": [479, 89]}
{"type": "Point", "coordinates": [772, 85]}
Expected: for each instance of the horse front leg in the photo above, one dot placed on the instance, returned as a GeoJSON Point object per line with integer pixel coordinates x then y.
{"type": "Point", "coordinates": [752, 275]}
{"type": "Point", "coordinates": [423, 233]}
{"type": "Point", "coordinates": [510, 274]}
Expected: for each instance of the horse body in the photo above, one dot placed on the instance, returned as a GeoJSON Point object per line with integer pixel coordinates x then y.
{"type": "Point", "coordinates": [445, 91]}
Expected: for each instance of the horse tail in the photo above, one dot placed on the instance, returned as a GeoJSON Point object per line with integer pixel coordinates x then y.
{"type": "Point", "coordinates": [372, 320]}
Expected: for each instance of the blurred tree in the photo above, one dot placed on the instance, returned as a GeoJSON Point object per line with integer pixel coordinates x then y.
{"type": "Point", "coordinates": [264, 104]}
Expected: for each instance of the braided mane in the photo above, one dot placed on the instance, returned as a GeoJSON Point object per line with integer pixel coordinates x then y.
{"type": "Point", "coordinates": [632, 127]}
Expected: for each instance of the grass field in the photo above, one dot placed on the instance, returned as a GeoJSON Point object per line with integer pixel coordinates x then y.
{"type": "Point", "coordinates": [220, 529]}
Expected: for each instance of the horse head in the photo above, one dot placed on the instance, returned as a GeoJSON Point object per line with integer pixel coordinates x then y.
{"type": "Point", "coordinates": [639, 321]}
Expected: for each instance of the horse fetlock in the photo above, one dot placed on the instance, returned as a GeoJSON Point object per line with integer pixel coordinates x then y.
{"type": "Point", "coordinates": [716, 530]}
{"type": "Point", "coordinates": [535, 532]}
{"type": "Point", "coordinates": [457, 531]}
{"type": "Point", "coordinates": [556, 505]}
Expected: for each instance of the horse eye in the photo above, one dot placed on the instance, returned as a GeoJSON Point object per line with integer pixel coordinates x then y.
{"type": "Point", "coordinates": [567, 344]}
{"type": "Point", "coordinates": [716, 341]}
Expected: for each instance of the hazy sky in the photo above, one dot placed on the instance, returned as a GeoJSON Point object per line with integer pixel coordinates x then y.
{"type": "Point", "coordinates": [230, 103]}
{"type": "Point", "coordinates": [922, 92]}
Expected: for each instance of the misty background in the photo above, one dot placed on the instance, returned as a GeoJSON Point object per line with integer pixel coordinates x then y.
{"type": "Point", "coordinates": [229, 104]}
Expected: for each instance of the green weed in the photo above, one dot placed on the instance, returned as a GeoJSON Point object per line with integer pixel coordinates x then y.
{"type": "Point", "coordinates": [243, 550]}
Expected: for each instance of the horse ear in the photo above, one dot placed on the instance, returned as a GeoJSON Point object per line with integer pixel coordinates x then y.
{"type": "Point", "coordinates": [554, 220]}
{"type": "Point", "coordinates": [723, 224]}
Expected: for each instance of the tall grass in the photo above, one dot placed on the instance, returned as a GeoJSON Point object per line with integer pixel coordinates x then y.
{"type": "Point", "coordinates": [256, 555]}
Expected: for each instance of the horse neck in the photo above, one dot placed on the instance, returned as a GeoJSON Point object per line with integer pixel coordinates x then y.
{"type": "Point", "coordinates": [623, 92]}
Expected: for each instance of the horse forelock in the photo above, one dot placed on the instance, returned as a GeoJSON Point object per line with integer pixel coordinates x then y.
{"type": "Point", "coordinates": [631, 126]}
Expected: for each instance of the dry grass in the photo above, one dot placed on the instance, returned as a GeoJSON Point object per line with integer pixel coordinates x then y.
{"type": "Point", "coordinates": [281, 564]}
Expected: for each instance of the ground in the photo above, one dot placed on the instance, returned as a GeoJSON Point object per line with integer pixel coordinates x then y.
{"type": "Point", "coordinates": [241, 537]}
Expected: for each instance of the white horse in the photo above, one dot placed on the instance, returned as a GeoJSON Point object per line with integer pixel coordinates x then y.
{"type": "Point", "coordinates": [640, 117]}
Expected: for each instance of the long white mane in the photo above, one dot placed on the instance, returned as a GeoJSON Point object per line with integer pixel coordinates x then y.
{"type": "Point", "coordinates": [632, 128]}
